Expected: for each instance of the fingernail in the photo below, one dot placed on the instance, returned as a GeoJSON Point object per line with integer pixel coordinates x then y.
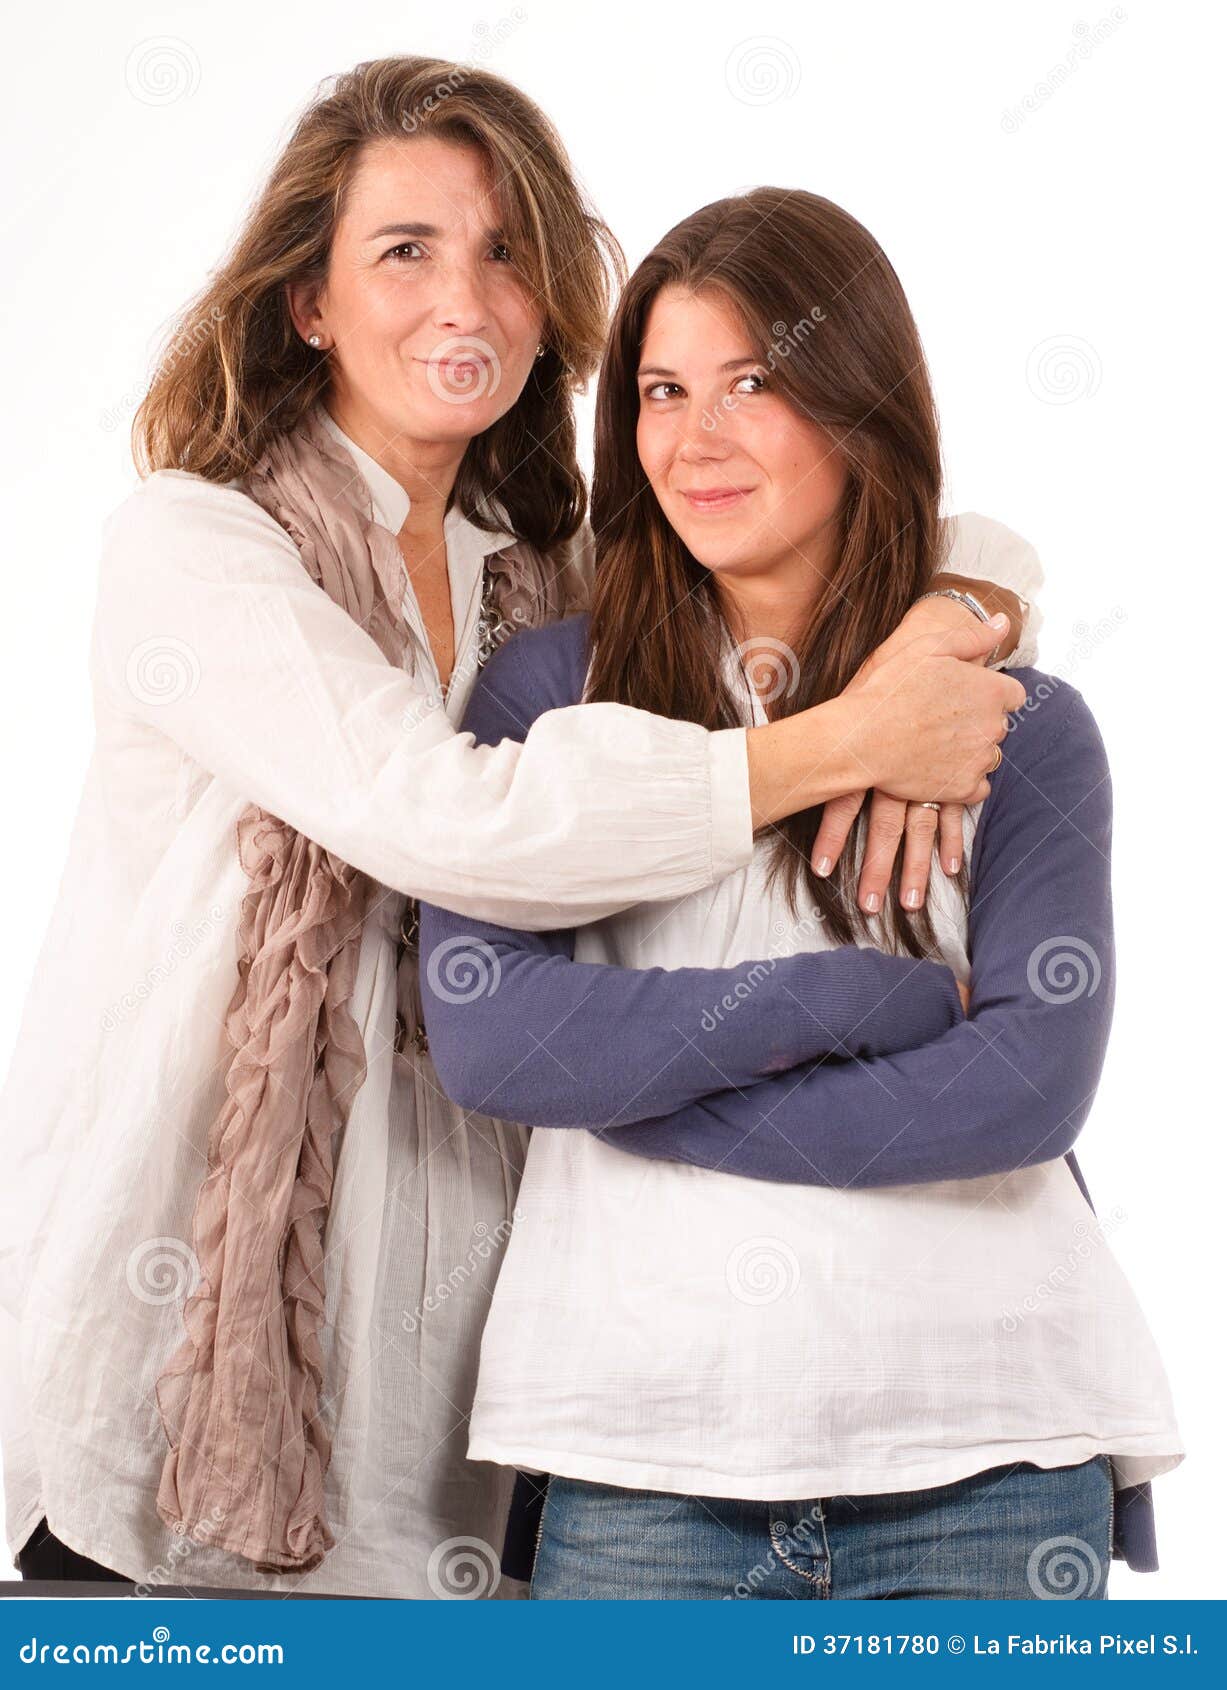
{"type": "Point", "coordinates": [912, 898]}
{"type": "Point", "coordinates": [1001, 620]}
{"type": "Point", "coordinates": [824, 866]}
{"type": "Point", "coordinates": [953, 865]}
{"type": "Point", "coordinates": [872, 902]}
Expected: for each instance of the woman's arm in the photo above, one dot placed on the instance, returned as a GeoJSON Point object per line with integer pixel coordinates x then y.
{"type": "Point", "coordinates": [210, 633]}
{"type": "Point", "coordinates": [521, 1031]}
{"type": "Point", "coordinates": [1013, 1084]}
{"type": "Point", "coordinates": [624, 1040]}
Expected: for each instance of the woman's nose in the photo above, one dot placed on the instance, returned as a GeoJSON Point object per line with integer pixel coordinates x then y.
{"type": "Point", "coordinates": [698, 445]}
{"type": "Point", "coordinates": [460, 307]}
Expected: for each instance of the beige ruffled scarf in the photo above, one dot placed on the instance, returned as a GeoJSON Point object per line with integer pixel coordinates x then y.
{"type": "Point", "coordinates": [240, 1398]}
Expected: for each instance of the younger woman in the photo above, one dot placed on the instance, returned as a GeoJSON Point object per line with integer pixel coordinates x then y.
{"type": "Point", "coordinates": [816, 1305]}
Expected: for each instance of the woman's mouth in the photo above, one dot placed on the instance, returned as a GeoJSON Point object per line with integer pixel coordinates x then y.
{"type": "Point", "coordinates": [463, 373]}
{"type": "Point", "coordinates": [713, 500]}
{"type": "Point", "coordinates": [456, 366]}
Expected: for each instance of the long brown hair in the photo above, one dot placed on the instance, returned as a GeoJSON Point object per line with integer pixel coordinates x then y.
{"type": "Point", "coordinates": [826, 313]}
{"type": "Point", "coordinates": [234, 372]}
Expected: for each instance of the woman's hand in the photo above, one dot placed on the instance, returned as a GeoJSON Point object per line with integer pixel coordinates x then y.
{"type": "Point", "coordinates": [891, 820]}
{"type": "Point", "coordinates": [922, 632]}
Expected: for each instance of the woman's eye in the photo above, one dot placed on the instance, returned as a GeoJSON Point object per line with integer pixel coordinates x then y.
{"type": "Point", "coordinates": [657, 390]}
{"type": "Point", "coordinates": [502, 252]}
{"type": "Point", "coordinates": [397, 252]}
{"type": "Point", "coordinates": [759, 381]}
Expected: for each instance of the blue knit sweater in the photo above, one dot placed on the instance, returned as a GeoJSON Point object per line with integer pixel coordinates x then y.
{"type": "Point", "coordinates": [784, 1103]}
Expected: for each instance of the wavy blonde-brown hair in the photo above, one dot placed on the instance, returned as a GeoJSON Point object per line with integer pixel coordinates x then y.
{"type": "Point", "coordinates": [234, 372]}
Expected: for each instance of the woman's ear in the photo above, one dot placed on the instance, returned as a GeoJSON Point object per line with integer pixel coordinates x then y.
{"type": "Point", "coordinates": [303, 300]}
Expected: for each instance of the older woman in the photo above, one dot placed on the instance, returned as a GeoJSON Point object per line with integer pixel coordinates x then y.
{"type": "Point", "coordinates": [235, 1186]}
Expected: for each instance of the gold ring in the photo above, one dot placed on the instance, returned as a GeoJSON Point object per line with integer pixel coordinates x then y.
{"type": "Point", "coordinates": [993, 767]}
{"type": "Point", "coordinates": [928, 804]}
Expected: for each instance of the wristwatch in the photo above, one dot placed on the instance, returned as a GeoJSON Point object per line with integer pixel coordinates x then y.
{"type": "Point", "coordinates": [977, 609]}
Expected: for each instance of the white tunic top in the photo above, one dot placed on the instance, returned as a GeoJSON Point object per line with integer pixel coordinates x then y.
{"type": "Point", "coordinates": [223, 675]}
{"type": "Point", "coordinates": [661, 1326]}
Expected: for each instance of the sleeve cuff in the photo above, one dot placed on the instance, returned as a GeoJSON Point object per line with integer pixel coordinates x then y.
{"type": "Point", "coordinates": [732, 824]}
{"type": "Point", "coordinates": [981, 548]}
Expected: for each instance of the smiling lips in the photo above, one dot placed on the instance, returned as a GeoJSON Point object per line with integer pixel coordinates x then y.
{"type": "Point", "coordinates": [463, 361]}
{"type": "Point", "coordinates": [712, 500]}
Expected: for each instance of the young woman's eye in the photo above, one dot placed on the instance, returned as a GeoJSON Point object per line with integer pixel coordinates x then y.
{"type": "Point", "coordinates": [760, 383]}
{"type": "Point", "coordinates": [502, 252]}
{"type": "Point", "coordinates": [397, 253]}
{"type": "Point", "coordinates": [657, 390]}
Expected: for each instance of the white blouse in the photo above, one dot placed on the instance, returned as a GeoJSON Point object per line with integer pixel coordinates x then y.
{"type": "Point", "coordinates": [660, 1326]}
{"type": "Point", "coordinates": [222, 675]}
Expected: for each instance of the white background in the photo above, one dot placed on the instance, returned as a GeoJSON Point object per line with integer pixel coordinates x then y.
{"type": "Point", "coordinates": [1056, 231]}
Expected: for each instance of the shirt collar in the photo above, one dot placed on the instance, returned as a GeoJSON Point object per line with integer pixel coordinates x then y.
{"type": "Point", "coordinates": [390, 504]}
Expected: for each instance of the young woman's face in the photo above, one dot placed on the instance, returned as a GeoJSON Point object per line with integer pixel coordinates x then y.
{"type": "Point", "coordinates": [431, 330]}
{"type": "Point", "coordinates": [749, 484]}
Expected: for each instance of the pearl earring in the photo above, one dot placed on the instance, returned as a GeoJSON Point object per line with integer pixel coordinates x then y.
{"type": "Point", "coordinates": [314, 340]}
{"type": "Point", "coordinates": [540, 350]}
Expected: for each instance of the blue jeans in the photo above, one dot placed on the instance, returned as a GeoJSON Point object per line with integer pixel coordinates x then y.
{"type": "Point", "coordinates": [1015, 1531]}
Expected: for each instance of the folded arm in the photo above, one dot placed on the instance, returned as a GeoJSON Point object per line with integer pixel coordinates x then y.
{"type": "Point", "coordinates": [1012, 1084]}
{"type": "Point", "coordinates": [519, 1030]}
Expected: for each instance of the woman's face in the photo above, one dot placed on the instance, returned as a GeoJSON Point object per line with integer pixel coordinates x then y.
{"type": "Point", "coordinates": [430, 329]}
{"type": "Point", "coordinates": [751, 486]}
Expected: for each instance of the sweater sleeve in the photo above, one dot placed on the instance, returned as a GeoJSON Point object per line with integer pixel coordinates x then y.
{"type": "Point", "coordinates": [519, 1030]}
{"type": "Point", "coordinates": [1013, 1083]}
